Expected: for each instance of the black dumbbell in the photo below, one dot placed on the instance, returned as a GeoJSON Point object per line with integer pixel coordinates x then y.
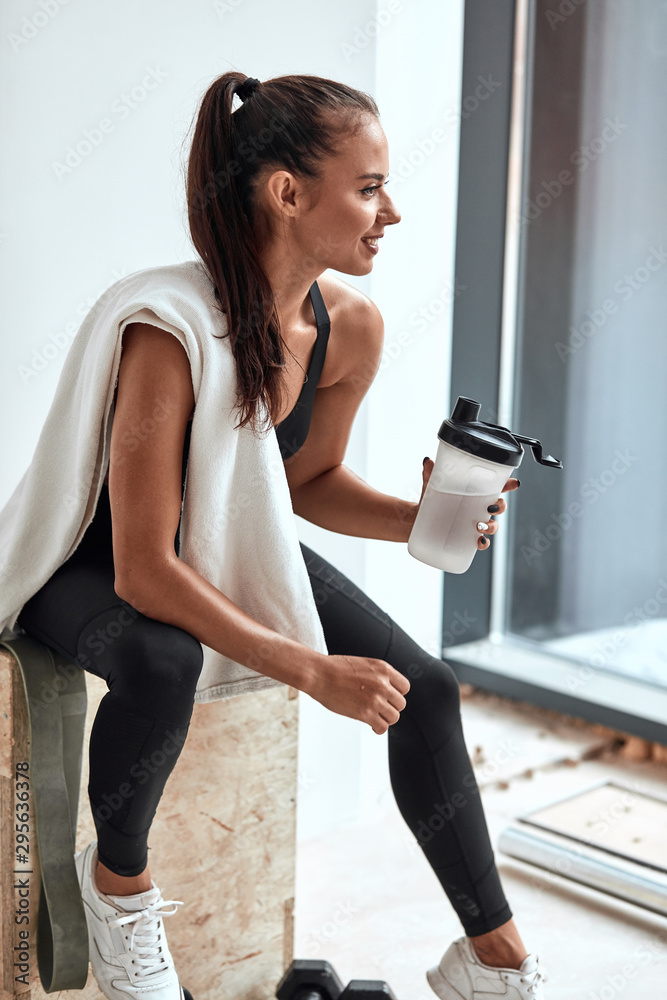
{"type": "Point", "coordinates": [315, 979]}
{"type": "Point", "coordinates": [368, 989]}
{"type": "Point", "coordinates": [309, 979]}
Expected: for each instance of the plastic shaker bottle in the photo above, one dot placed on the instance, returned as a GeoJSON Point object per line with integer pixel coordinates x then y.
{"type": "Point", "coordinates": [473, 462]}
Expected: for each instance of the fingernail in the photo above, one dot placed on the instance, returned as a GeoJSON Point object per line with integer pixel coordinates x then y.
{"type": "Point", "coordinates": [425, 460]}
{"type": "Point", "coordinates": [482, 526]}
{"type": "Point", "coordinates": [493, 508]}
{"type": "Point", "coordinates": [518, 483]}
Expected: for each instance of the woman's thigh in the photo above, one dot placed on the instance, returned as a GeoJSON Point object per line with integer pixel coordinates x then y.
{"type": "Point", "coordinates": [352, 623]}
{"type": "Point", "coordinates": [76, 593]}
{"type": "Point", "coordinates": [152, 665]}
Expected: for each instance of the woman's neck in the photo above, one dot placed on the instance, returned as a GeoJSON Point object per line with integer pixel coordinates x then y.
{"type": "Point", "coordinates": [291, 281]}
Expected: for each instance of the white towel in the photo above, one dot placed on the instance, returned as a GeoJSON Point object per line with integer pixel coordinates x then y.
{"type": "Point", "coordinates": [238, 528]}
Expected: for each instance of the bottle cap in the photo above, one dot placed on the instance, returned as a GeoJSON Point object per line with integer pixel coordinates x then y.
{"type": "Point", "coordinates": [491, 442]}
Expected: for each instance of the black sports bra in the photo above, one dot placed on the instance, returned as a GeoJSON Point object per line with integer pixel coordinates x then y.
{"type": "Point", "coordinates": [293, 430]}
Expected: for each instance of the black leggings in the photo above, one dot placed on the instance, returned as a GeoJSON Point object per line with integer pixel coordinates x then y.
{"type": "Point", "coordinates": [151, 669]}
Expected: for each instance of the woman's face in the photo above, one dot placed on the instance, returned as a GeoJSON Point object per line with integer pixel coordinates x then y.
{"type": "Point", "coordinates": [332, 220]}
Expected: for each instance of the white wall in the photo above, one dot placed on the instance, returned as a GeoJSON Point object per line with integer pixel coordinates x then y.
{"type": "Point", "coordinates": [66, 238]}
{"type": "Point", "coordinates": [414, 287]}
{"type": "Point", "coordinates": [65, 235]}
{"type": "Point", "coordinates": [418, 56]}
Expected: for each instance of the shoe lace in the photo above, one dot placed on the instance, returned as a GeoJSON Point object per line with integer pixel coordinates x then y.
{"type": "Point", "coordinates": [535, 979]}
{"type": "Point", "coordinates": [147, 935]}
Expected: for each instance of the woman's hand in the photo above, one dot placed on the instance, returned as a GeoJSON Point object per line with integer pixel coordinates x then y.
{"type": "Point", "coordinates": [499, 507]}
{"type": "Point", "coordinates": [362, 688]}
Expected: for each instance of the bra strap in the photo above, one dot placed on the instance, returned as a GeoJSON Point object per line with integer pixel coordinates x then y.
{"type": "Point", "coordinates": [319, 308]}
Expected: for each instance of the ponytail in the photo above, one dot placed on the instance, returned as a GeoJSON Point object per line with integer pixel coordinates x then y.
{"type": "Point", "coordinates": [291, 122]}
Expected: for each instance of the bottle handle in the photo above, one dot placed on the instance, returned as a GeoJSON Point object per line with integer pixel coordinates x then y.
{"type": "Point", "coordinates": [536, 447]}
{"type": "Point", "coordinates": [469, 409]}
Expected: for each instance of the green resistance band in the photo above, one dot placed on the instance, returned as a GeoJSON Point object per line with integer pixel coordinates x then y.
{"type": "Point", "coordinates": [55, 691]}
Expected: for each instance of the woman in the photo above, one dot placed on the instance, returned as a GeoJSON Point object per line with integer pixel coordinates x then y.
{"type": "Point", "coordinates": [280, 189]}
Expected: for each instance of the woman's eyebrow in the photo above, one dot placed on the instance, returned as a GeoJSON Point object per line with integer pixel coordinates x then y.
{"type": "Point", "coordinates": [374, 177]}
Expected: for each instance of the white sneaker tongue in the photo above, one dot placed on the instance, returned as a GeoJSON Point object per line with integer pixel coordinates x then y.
{"type": "Point", "coordinates": [138, 901]}
{"type": "Point", "coordinates": [529, 964]}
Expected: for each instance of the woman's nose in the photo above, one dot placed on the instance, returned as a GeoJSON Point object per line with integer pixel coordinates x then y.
{"type": "Point", "coordinates": [390, 213]}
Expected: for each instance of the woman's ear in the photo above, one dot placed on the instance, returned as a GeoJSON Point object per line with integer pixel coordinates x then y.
{"type": "Point", "coordinates": [281, 193]}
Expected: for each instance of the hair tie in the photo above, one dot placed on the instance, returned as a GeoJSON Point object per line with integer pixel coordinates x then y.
{"type": "Point", "coordinates": [248, 87]}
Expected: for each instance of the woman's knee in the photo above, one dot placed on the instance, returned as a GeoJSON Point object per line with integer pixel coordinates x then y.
{"type": "Point", "coordinates": [152, 665]}
{"type": "Point", "coordinates": [434, 684]}
{"type": "Point", "coordinates": [434, 688]}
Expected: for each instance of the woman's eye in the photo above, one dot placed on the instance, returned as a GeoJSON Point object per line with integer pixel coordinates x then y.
{"type": "Point", "coordinates": [369, 189]}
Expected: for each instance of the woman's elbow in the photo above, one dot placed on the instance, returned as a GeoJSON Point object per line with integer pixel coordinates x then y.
{"type": "Point", "coordinates": [141, 582]}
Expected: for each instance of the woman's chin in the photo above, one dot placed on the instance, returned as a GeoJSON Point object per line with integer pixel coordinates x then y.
{"type": "Point", "coordinates": [358, 268]}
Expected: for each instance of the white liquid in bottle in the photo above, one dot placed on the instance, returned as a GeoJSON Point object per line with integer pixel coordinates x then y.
{"type": "Point", "coordinates": [452, 519]}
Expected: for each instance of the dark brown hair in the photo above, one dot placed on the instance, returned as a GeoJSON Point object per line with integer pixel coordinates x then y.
{"type": "Point", "coordinates": [291, 122]}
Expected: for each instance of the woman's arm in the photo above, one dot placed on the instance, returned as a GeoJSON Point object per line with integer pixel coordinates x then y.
{"type": "Point", "coordinates": [324, 490]}
{"type": "Point", "coordinates": [341, 501]}
{"type": "Point", "coordinates": [145, 495]}
{"type": "Point", "coordinates": [337, 498]}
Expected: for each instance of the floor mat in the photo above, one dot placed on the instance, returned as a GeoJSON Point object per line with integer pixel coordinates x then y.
{"type": "Point", "coordinates": [612, 818]}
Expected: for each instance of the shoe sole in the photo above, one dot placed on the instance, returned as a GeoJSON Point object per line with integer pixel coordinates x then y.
{"type": "Point", "coordinates": [441, 987]}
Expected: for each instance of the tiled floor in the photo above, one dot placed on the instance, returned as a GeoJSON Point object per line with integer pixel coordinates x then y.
{"type": "Point", "coordinates": [368, 901]}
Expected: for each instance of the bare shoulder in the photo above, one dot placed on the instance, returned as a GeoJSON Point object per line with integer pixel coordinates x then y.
{"type": "Point", "coordinates": [348, 305]}
{"type": "Point", "coordinates": [357, 327]}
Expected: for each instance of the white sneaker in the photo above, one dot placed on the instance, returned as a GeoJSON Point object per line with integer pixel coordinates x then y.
{"type": "Point", "coordinates": [462, 976]}
{"type": "Point", "coordinates": [129, 953]}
